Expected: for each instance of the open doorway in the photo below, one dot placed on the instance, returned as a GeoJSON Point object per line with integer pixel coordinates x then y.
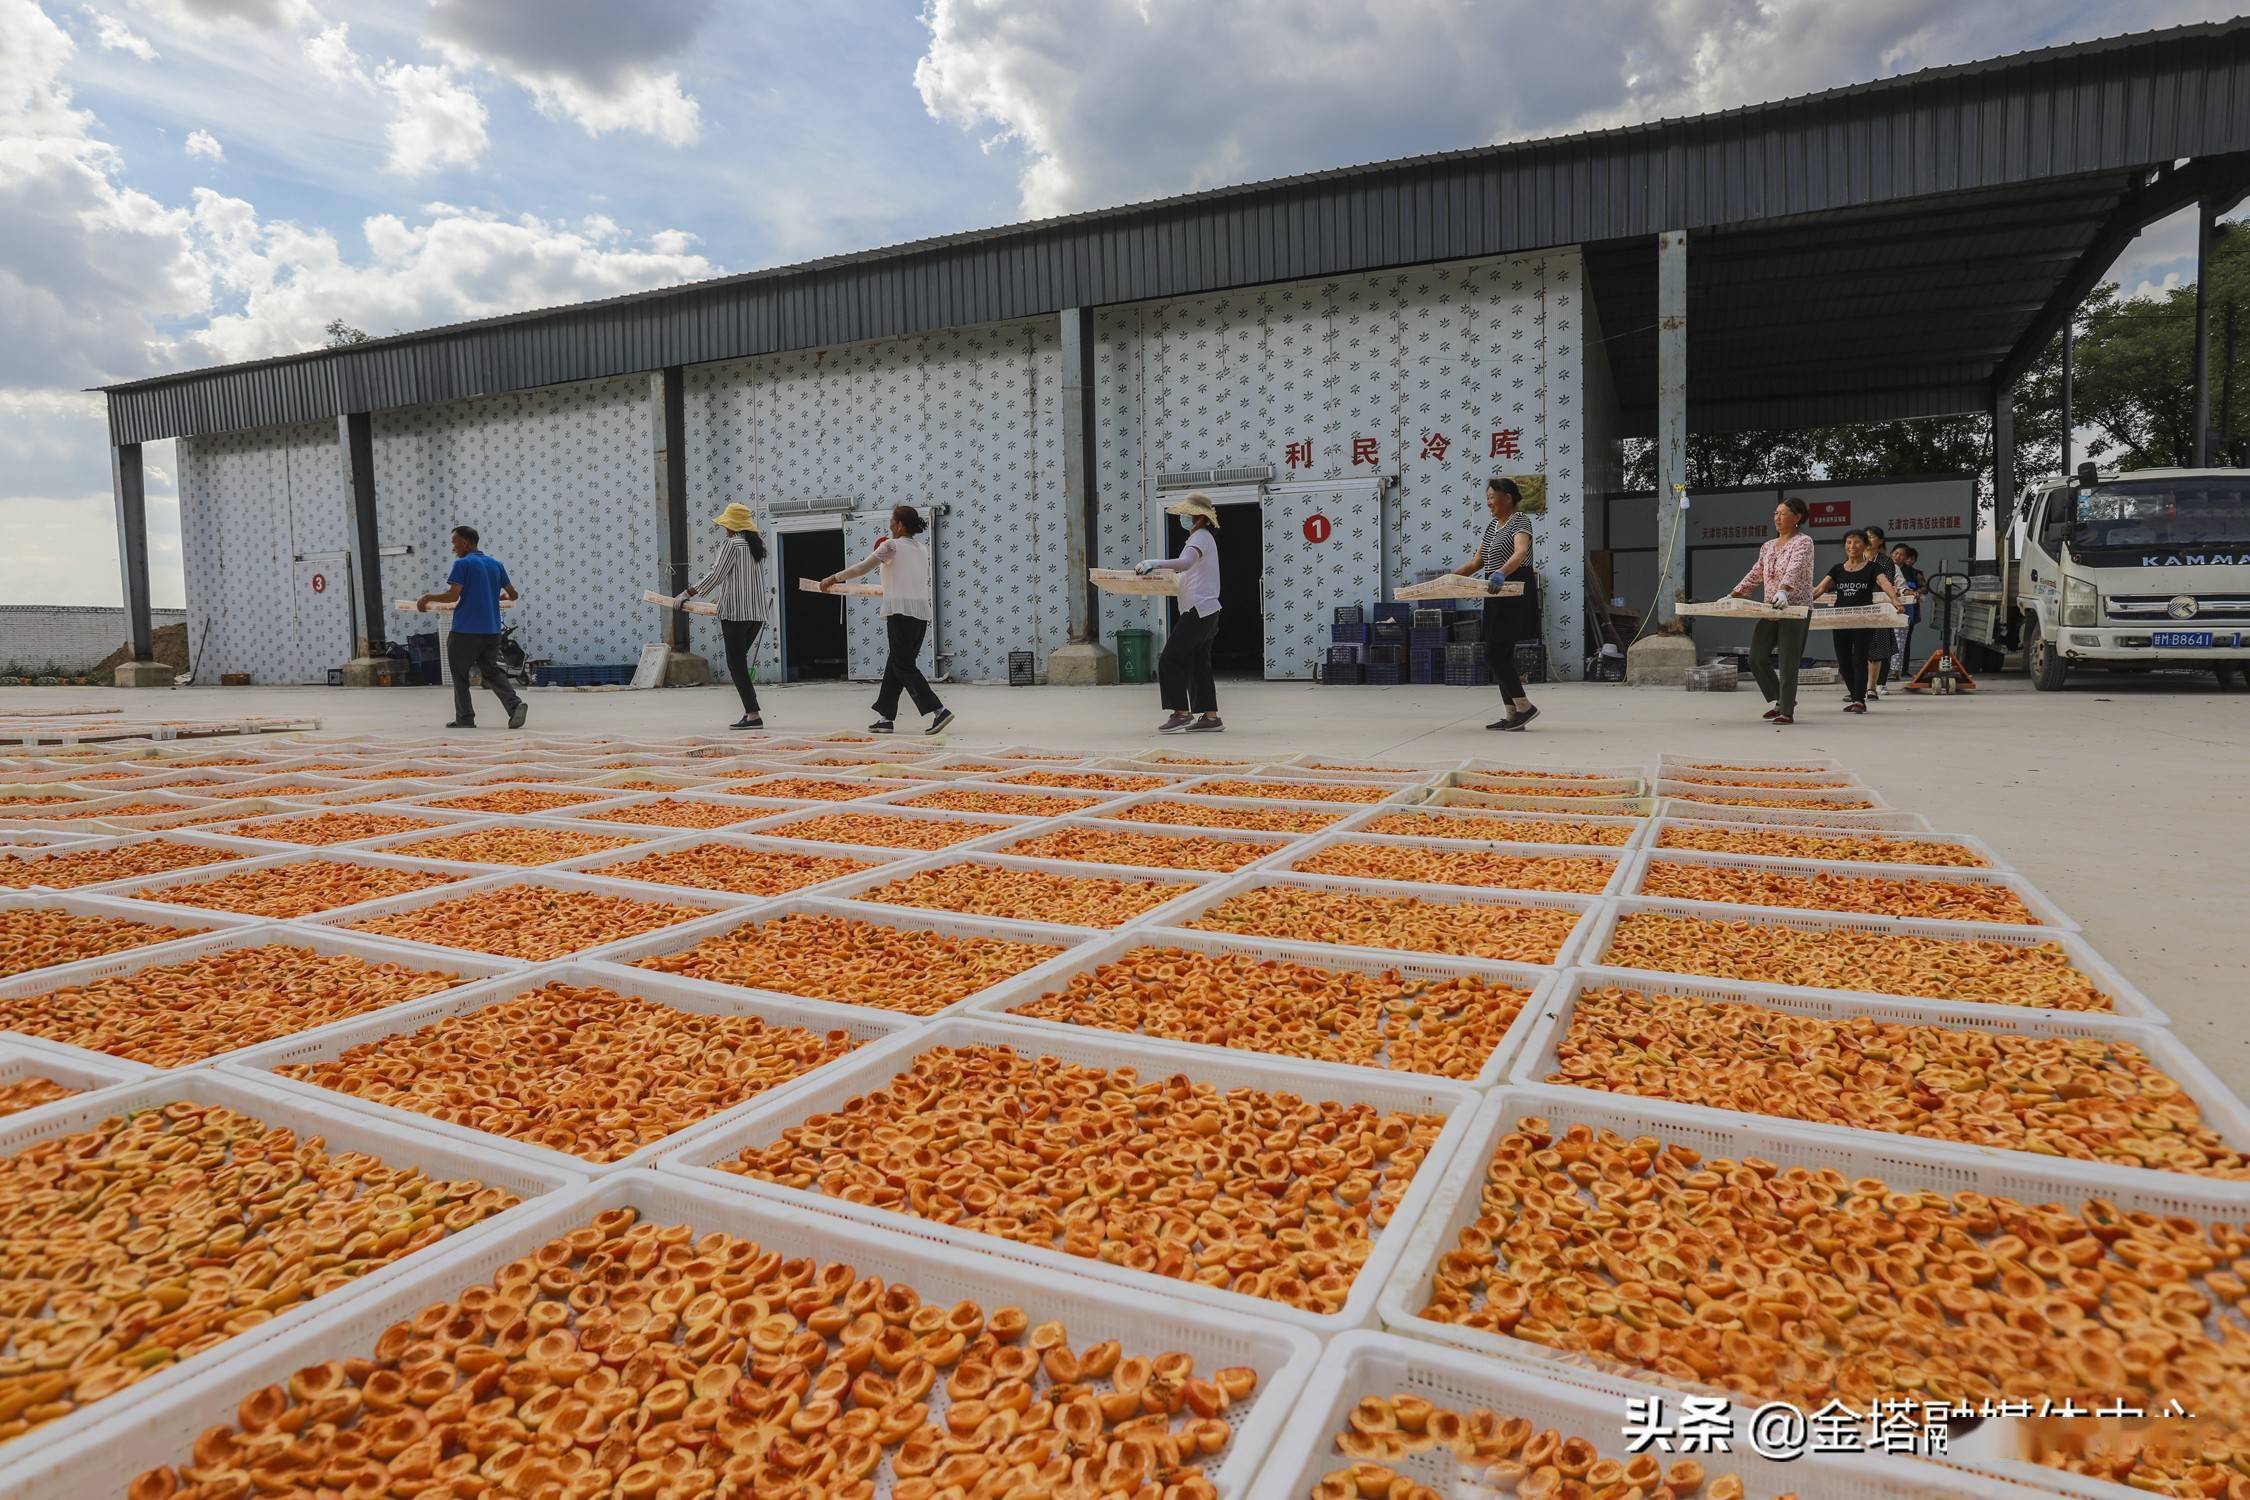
{"type": "Point", "coordinates": [812, 625]}
{"type": "Point", "coordinates": [1239, 650]}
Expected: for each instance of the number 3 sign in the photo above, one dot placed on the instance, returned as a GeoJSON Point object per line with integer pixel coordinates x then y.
{"type": "Point", "coordinates": [1316, 528]}
{"type": "Point", "coordinates": [320, 583]}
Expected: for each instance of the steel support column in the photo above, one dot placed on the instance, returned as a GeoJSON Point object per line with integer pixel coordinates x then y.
{"type": "Point", "coordinates": [2068, 430]}
{"type": "Point", "coordinates": [1671, 419]}
{"type": "Point", "coordinates": [2003, 465]}
{"type": "Point", "coordinates": [669, 388]}
{"type": "Point", "coordinates": [355, 433]}
{"type": "Point", "coordinates": [2206, 225]}
{"type": "Point", "coordinates": [1081, 523]}
{"type": "Point", "coordinates": [126, 486]}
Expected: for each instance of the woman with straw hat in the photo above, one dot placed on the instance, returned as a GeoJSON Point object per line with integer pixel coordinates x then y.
{"type": "Point", "coordinates": [740, 578]}
{"type": "Point", "coordinates": [1183, 671]}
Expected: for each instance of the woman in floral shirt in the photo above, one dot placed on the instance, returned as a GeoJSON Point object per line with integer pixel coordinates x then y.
{"type": "Point", "coordinates": [1784, 570]}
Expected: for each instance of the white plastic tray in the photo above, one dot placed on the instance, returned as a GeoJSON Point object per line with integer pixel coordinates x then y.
{"type": "Point", "coordinates": [252, 827]}
{"type": "Point", "coordinates": [1068, 801]}
{"type": "Point", "coordinates": [1778, 765]}
{"type": "Point", "coordinates": [862, 1023]}
{"type": "Point", "coordinates": [873, 1067]}
{"type": "Point", "coordinates": [1436, 816]}
{"type": "Point", "coordinates": [162, 1432]}
{"type": "Point", "coordinates": [605, 864]}
{"type": "Point", "coordinates": [70, 844]}
{"type": "Point", "coordinates": [1875, 837]}
{"type": "Point", "coordinates": [1271, 845]}
{"type": "Point", "coordinates": [2130, 1004]}
{"type": "Point", "coordinates": [466, 968]}
{"type": "Point", "coordinates": [999, 1002]}
{"type": "Point", "coordinates": [714, 902]}
{"type": "Point", "coordinates": [1484, 765]}
{"type": "Point", "coordinates": [861, 890]}
{"type": "Point", "coordinates": [1623, 806]}
{"type": "Point", "coordinates": [1581, 1404]}
{"type": "Point", "coordinates": [1121, 811]}
{"type": "Point", "coordinates": [198, 924]}
{"type": "Point", "coordinates": [2222, 1111]}
{"type": "Point", "coordinates": [1888, 819]}
{"type": "Point", "coordinates": [22, 1059]}
{"type": "Point", "coordinates": [1621, 862]}
{"type": "Point", "coordinates": [1587, 907]}
{"type": "Point", "coordinates": [595, 798]}
{"type": "Point", "coordinates": [395, 844]}
{"type": "Point", "coordinates": [1534, 784]}
{"type": "Point", "coordinates": [1773, 796]}
{"type": "Point", "coordinates": [2044, 912]}
{"type": "Point", "coordinates": [785, 825]}
{"type": "Point", "coordinates": [1310, 788]}
{"type": "Point", "coordinates": [626, 813]}
{"type": "Point", "coordinates": [1753, 781]}
{"type": "Point", "coordinates": [344, 1132]}
{"type": "Point", "coordinates": [152, 890]}
{"type": "Point", "coordinates": [636, 951]}
{"type": "Point", "coordinates": [1896, 1161]}
{"type": "Point", "coordinates": [759, 787]}
{"type": "Point", "coordinates": [88, 815]}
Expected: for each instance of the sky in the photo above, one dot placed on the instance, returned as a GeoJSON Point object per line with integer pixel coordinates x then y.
{"type": "Point", "coordinates": [189, 182]}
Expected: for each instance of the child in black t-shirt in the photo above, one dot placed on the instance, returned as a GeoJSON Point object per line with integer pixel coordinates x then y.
{"type": "Point", "coordinates": [1855, 583]}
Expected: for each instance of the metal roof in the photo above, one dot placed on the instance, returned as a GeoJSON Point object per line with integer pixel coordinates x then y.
{"type": "Point", "coordinates": [1822, 191]}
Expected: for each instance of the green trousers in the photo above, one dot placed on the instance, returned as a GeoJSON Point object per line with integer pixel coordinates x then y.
{"type": "Point", "coordinates": [1785, 638]}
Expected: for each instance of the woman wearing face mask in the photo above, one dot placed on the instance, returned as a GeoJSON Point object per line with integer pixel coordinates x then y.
{"type": "Point", "coordinates": [1854, 583]}
{"type": "Point", "coordinates": [1183, 670]}
{"type": "Point", "coordinates": [739, 576]}
{"type": "Point", "coordinates": [907, 607]}
{"type": "Point", "coordinates": [1784, 571]}
{"type": "Point", "coordinates": [1503, 555]}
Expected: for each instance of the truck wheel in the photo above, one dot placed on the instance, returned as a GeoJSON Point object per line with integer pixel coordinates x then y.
{"type": "Point", "coordinates": [2232, 677]}
{"type": "Point", "coordinates": [2042, 660]}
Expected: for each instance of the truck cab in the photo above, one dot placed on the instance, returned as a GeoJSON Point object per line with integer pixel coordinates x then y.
{"type": "Point", "coordinates": [2128, 571]}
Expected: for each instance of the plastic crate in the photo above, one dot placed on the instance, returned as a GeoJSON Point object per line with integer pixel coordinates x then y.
{"type": "Point", "coordinates": [1412, 970]}
{"type": "Point", "coordinates": [573, 674]}
{"type": "Point", "coordinates": [1023, 669]}
{"type": "Point", "coordinates": [1342, 674]}
{"type": "Point", "coordinates": [1385, 676]}
{"type": "Point", "coordinates": [2127, 1002]}
{"type": "Point", "coordinates": [860, 889]}
{"type": "Point", "coordinates": [782, 827]}
{"type": "Point", "coordinates": [714, 904]}
{"type": "Point", "coordinates": [1350, 614]}
{"type": "Point", "coordinates": [1348, 634]}
{"type": "Point", "coordinates": [343, 1133]}
{"type": "Point", "coordinates": [1343, 655]}
{"type": "Point", "coordinates": [1782, 814]}
{"type": "Point", "coordinates": [1868, 838]}
{"type": "Point", "coordinates": [1400, 615]}
{"type": "Point", "coordinates": [1467, 628]}
{"type": "Point", "coordinates": [1903, 1163]}
{"type": "Point", "coordinates": [2044, 913]}
{"type": "Point", "coordinates": [605, 864]}
{"type": "Point", "coordinates": [1426, 668]}
{"type": "Point", "coordinates": [1623, 862]}
{"type": "Point", "coordinates": [1392, 655]}
{"type": "Point", "coordinates": [154, 891]}
{"type": "Point", "coordinates": [1422, 640]}
{"type": "Point", "coordinates": [1582, 1404]}
{"type": "Point", "coordinates": [1468, 673]}
{"type": "Point", "coordinates": [863, 1024]}
{"type": "Point", "coordinates": [1427, 618]}
{"type": "Point", "coordinates": [1588, 908]}
{"type": "Point", "coordinates": [192, 926]}
{"type": "Point", "coordinates": [2220, 1109]}
{"type": "Point", "coordinates": [1531, 661]}
{"type": "Point", "coordinates": [870, 1068]}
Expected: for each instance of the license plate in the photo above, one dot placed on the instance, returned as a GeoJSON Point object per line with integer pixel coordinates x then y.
{"type": "Point", "coordinates": [2180, 640]}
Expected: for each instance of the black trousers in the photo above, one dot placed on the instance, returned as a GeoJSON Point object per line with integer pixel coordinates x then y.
{"type": "Point", "coordinates": [1183, 669]}
{"type": "Point", "coordinates": [740, 636]}
{"type": "Point", "coordinates": [467, 651]}
{"type": "Point", "coordinates": [901, 671]}
{"type": "Point", "coordinates": [1854, 649]}
{"type": "Point", "coordinates": [1507, 621]}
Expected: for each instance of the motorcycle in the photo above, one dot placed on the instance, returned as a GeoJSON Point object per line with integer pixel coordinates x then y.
{"type": "Point", "coordinates": [514, 665]}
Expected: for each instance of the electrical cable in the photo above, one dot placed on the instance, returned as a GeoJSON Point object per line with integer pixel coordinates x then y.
{"type": "Point", "coordinates": [1664, 563]}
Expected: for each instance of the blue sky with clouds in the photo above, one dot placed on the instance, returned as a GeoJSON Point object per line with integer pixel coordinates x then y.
{"type": "Point", "coordinates": [185, 182]}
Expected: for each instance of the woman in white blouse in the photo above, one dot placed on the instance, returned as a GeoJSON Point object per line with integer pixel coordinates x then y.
{"type": "Point", "coordinates": [905, 560]}
{"type": "Point", "coordinates": [1183, 671]}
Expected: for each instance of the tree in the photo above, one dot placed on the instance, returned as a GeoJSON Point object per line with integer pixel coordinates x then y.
{"type": "Point", "coordinates": [340, 334]}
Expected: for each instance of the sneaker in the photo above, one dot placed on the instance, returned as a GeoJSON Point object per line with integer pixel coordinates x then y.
{"type": "Point", "coordinates": [748, 721]}
{"type": "Point", "coordinates": [1855, 708]}
{"type": "Point", "coordinates": [937, 724]}
{"type": "Point", "coordinates": [1526, 717]}
{"type": "Point", "coordinates": [1208, 724]}
{"type": "Point", "coordinates": [461, 724]}
{"type": "Point", "coordinates": [518, 714]}
{"type": "Point", "coordinates": [1507, 721]}
{"type": "Point", "coordinates": [1772, 713]}
{"type": "Point", "coordinates": [1177, 724]}
{"type": "Point", "coordinates": [880, 726]}
{"type": "Point", "coordinates": [1780, 719]}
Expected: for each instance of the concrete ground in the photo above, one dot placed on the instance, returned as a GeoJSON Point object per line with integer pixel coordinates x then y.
{"type": "Point", "coordinates": [2123, 799]}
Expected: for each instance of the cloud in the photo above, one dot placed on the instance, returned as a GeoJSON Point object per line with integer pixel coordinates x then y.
{"type": "Point", "coordinates": [1116, 101]}
{"type": "Point", "coordinates": [204, 15]}
{"type": "Point", "coordinates": [437, 120]}
{"type": "Point", "coordinates": [597, 64]}
{"type": "Point", "coordinates": [116, 36]}
{"type": "Point", "coordinates": [206, 145]}
{"type": "Point", "coordinates": [58, 538]}
{"type": "Point", "coordinates": [330, 53]}
{"type": "Point", "coordinates": [290, 280]}
{"type": "Point", "coordinates": [90, 269]}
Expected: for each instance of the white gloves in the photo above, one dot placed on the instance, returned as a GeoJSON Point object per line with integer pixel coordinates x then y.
{"type": "Point", "coordinates": [1147, 565]}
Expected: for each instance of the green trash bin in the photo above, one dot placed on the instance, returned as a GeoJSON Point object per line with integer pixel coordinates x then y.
{"type": "Point", "coordinates": [1133, 655]}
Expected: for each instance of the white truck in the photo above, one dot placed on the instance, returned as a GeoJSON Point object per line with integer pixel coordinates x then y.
{"type": "Point", "coordinates": [2127, 571]}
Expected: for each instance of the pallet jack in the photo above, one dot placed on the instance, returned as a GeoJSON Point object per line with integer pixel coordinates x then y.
{"type": "Point", "coordinates": [1943, 673]}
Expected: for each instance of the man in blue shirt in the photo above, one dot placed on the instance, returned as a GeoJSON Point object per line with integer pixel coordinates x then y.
{"type": "Point", "coordinates": [475, 588]}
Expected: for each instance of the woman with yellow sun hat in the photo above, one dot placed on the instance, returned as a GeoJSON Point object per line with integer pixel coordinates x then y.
{"type": "Point", "coordinates": [739, 576]}
{"type": "Point", "coordinates": [1183, 671]}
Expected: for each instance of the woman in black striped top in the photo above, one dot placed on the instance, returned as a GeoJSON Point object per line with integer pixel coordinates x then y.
{"type": "Point", "coordinates": [739, 576]}
{"type": "Point", "coordinates": [1503, 555]}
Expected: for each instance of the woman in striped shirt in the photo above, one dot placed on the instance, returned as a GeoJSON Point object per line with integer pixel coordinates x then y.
{"type": "Point", "coordinates": [740, 578]}
{"type": "Point", "coordinates": [1784, 571]}
{"type": "Point", "coordinates": [1503, 555]}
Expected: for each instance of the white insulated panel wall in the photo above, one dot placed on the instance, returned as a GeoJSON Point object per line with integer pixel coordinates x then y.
{"type": "Point", "coordinates": [250, 502]}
